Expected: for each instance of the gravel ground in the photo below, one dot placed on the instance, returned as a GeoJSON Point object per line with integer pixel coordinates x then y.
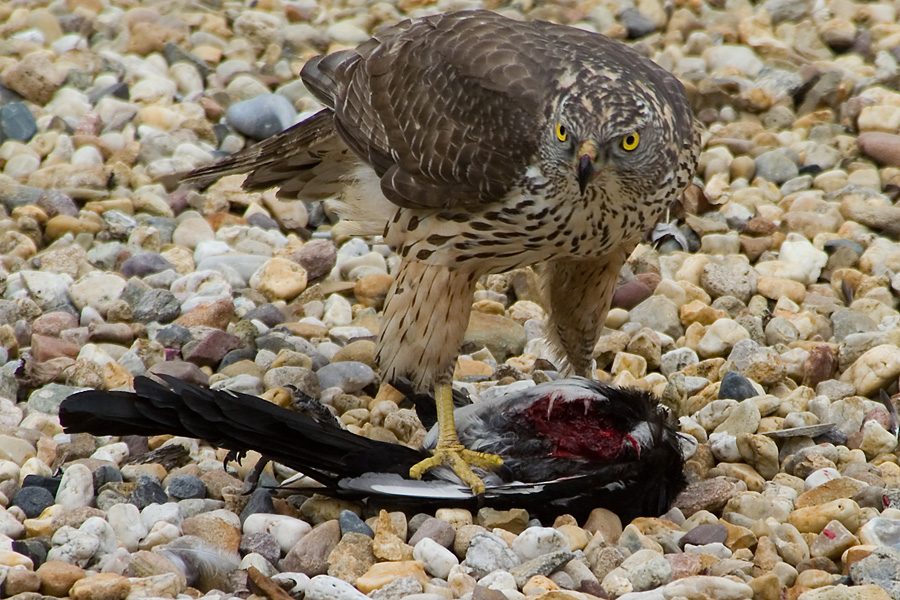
{"type": "Point", "coordinates": [768, 304]}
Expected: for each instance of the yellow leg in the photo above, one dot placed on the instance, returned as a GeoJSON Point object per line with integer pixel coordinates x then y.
{"type": "Point", "coordinates": [450, 451]}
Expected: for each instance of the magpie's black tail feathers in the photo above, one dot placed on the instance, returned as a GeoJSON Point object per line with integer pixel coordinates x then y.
{"type": "Point", "coordinates": [237, 422]}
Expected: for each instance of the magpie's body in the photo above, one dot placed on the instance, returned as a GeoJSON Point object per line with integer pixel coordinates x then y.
{"type": "Point", "coordinates": [567, 446]}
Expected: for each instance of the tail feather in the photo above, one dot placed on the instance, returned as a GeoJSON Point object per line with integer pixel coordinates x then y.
{"type": "Point", "coordinates": [234, 421]}
{"type": "Point", "coordinates": [299, 160]}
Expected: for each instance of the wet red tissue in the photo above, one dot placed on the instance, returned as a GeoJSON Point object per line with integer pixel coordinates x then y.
{"type": "Point", "coordinates": [577, 428]}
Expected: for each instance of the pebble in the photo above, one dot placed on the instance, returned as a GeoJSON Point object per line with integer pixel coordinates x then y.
{"type": "Point", "coordinates": [261, 116]}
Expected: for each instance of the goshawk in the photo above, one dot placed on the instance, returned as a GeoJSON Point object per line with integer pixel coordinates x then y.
{"type": "Point", "coordinates": [475, 144]}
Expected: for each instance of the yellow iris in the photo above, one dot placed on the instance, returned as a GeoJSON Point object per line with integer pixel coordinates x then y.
{"type": "Point", "coordinates": [631, 141]}
{"type": "Point", "coordinates": [561, 133]}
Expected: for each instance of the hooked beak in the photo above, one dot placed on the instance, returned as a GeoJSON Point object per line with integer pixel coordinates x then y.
{"type": "Point", "coordinates": [587, 153]}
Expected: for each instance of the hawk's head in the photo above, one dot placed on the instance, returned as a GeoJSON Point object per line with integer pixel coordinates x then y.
{"type": "Point", "coordinates": [612, 134]}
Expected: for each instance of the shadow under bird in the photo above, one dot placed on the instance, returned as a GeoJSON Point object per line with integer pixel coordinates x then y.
{"type": "Point", "coordinates": [567, 446]}
{"type": "Point", "coordinates": [475, 144]}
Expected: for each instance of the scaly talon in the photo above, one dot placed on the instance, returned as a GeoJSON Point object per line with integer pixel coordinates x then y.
{"type": "Point", "coordinates": [450, 452]}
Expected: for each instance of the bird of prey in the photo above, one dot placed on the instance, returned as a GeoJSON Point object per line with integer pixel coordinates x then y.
{"type": "Point", "coordinates": [567, 446]}
{"type": "Point", "coordinates": [476, 144]}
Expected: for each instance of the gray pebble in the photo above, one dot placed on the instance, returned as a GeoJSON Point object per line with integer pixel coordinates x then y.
{"type": "Point", "coordinates": [156, 305]}
{"type": "Point", "coordinates": [262, 116]}
{"type": "Point", "coordinates": [186, 486]}
{"type": "Point", "coordinates": [16, 122]}
{"type": "Point", "coordinates": [487, 553]}
{"type": "Point", "coordinates": [735, 386]}
{"type": "Point", "coordinates": [881, 567]}
{"type": "Point", "coordinates": [776, 165]}
{"type": "Point", "coordinates": [350, 522]}
{"type": "Point", "coordinates": [144, 264]}
{"type": "Point", "coordinates": [148, 493]}
{"type": "Point", "coordinates": [33, 500]}
{"type": "Point", "coordinates": [350, 376]}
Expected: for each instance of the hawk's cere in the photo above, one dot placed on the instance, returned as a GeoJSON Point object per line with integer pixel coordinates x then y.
{"type": "Point", "coordinates": [476, 144]}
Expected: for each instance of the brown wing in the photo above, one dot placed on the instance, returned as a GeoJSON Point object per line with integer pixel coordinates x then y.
{"type": "Point", "coordinates": [303, 161]}
{"type": "Point", "coordinates": [448, 110]}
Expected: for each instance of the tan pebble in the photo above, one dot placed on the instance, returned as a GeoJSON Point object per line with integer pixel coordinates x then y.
{"type": "Point", "coordinates": [102, 586]}
{"type": "Point", "coordinates": [867, 591]}
{"type": "Point", "coordinates": [57, 577]}
{"type": "Point", "coordinates": [537, 584]}
{"type": "Point", "coordinates": [814, 518]}
{"type": "Point", "coordinates": [890, 472]}
{"type": "Point", "coordinates": [352, 557]}
{"type": "Point", "coordinates": [513, 520]}
{"type": "Point", "coordinates": [279, 279]}
{"type": "Point", "coordinates": [874, 369]}
{"type": "Point", "coordinates": [766, 587]}
{"type": "Point", "coordinates": [372, 289]}
{"type": "Point", "coordinates": [457, 517]}
{"type": "Point", "coordinates": [775, 288]}
{"type": "Point", "coordinates": [471, 368]}
{"type": "Point", "coordinates": [491, 307]}
{"type": "Point", "coordinates": [166, 585]}
{"type": "Point", "coordinates": [842, 487]}
{"type": "Point", "coordinates": [738, 537]}
{"type": "Point", "coordinates": [36, 77]}
{"type": "Point", "coordinates": [359, 350]}
{"type": "Point", "coordinates": [605, 522]}
{"type": "Point", "coordinates": [576, 536]}
{"type": "Point", "coordinates": [697, 311]}
{"type": "Point", "coordinates": [21, 581]}
{"type": "Point", "coordinates": [135, 472]}
{"type": "Point", "coordinates": [60, 225]}
{"type": "Point", "coordinates": [388, 544]}
{"type": "Point", "coordinates": [381, 574]}
{"type": "Point", "coordinates": [8, 558]}
{"type": "Point", "coordinates": [147, 36]}
{"type": "Point", "coordinates": [884, 118]}
{"type": "Point", "coordinates": [217, 314]}
{"type": "Point", "coordinates": [507, 536]}
{"type": "Point", "coordinates": [306, 330]}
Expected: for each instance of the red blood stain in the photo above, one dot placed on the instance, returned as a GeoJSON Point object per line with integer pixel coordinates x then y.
{"type": "Point", "coordinates": [577, 429]}
{"type": "Point", "coordinates": [829, 534]}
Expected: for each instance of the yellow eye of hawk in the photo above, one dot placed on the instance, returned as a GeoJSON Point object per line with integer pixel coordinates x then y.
{"type": "Point", "coordinates": [631, 141]}
{"type": "Point", "coordinates": [561, 133]}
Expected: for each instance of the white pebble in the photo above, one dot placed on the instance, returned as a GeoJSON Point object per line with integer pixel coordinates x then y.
{"type": "Point", "coordinates": [820, 476]}
{"type": "Point", "coordinates": [73, 546]}
{"type": "Point", "coordinates": [325, 587]}
{"type": "Point", "coordinates": [115, 453]}
{"type": "Point", "coordinates": [537, 541]}
{"type": "Point", "coordinates": [76, 489]}
{"type": "Point", "coordinates": [724, 447]}
{"type": "Point", "coordinates": [169, 512]}
{"type": "Point", "coordinates": [497, 580]}
{"type": "Point", "coordinates": [161, 533]}
{"type": "Point", "coordinates": [259, 562]}
{"type": "Point", "coordinates": [103, 532]}
{"type": "Point", "coordinates": [87, 156]}
{"type": "Point", "coordinates": [10, 527]}
{"type": "Point", "coordinates": [125, 520]}
{"type": "Point", "coordinates": [436, 559]}
{"type": "Point", "coordinates": [286, 530]}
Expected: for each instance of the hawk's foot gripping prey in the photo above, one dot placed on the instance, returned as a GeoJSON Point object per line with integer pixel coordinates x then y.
{"type": "Point", "coordinates": [449, 450]}
{"type": "Point", "coordinates": [475, 144]}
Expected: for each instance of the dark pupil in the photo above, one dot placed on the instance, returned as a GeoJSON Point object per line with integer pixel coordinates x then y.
{"type": "Point", "coordinates": [629, 140]}
{"type": "Point", "coordinates": [562, 131]}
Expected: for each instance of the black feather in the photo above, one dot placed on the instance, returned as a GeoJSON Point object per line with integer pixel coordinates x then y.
{"type": "Point", "coordinates": [629, 461]}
